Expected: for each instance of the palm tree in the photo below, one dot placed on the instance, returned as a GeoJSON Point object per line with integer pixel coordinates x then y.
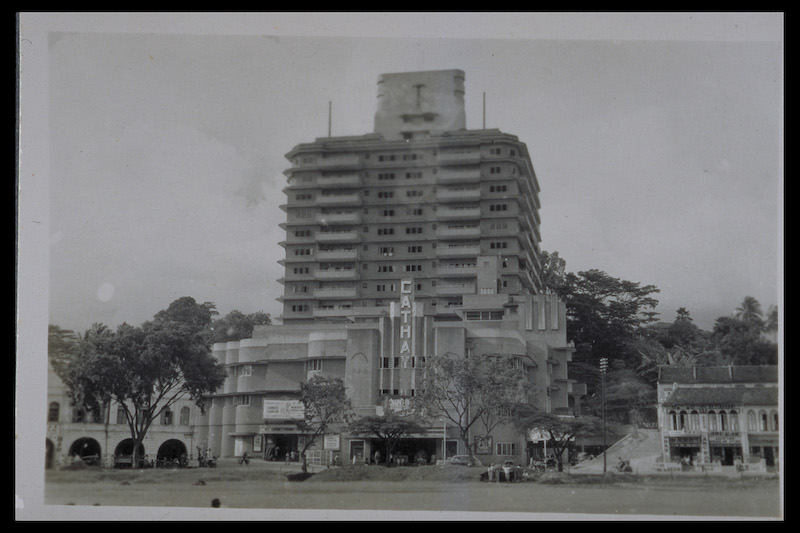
{"type": "Point", "coordinates": [771, 322]}
{"type": "Point", "coordinates": [750, 311]}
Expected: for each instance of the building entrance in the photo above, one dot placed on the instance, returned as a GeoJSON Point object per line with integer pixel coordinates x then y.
{"type": "Point", "coordinates": [278, 445]}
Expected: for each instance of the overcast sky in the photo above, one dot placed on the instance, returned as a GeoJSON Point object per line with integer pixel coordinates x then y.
{"type": "Point", "coordinates": [659, 161]}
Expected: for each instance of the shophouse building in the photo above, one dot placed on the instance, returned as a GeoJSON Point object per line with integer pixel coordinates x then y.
{"type": "Point", "coordinates": [719, 416]}
{"type": "Point", "coordinates": [418, 239]}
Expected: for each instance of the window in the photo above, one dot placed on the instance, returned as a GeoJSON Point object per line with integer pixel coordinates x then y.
{"type": "Point", "coordinates": [762, 417]}
{"type": "Point", "coordinates": [506, 448]}
{"type": "Point", "coordinates": [694, 421]}
{"type": "Point", "coordinates": [713, 422]}
{"type": "Point", "coordinates": [386, 194]}
{"type": "Point", "coordinates": [413, 268]}
{"type": "Point", "coordinates": [383, 176]}
{"type": "Point", "coordinates": [52, 412]}
{"type": "Point", "coordinates": [247, 370]}
{"type": "Point", "coordinates": [498, 245]}
{"type": "Point", "coordinates": [302, 197]}
{"type": "Point", "coordinates": [682, 421]}
{"type": "Point", "coordinates": [413, 175]}
{"type": "Point", "coordinates": [415, 249]}
{"type": "Point", "coordinates": [723, 421]}
{"type": "Point", "coordinates": [385, 231]}
{"type": "Point", "coordinates": [775, 421]}
{"type": "Point", "coordinates": [416, 211]}
{"type": "Point", "coordinates": [184, 421]}
{"type": "Point", "coordinates": [752, 425]}
{"type": "Point", "coordinates": [300, 308]}
{"type": "Point", "coordinates": [388, 212]}
{"type": "Point", "coordinates": [495, 151]}
{"type": "Point", "coordinates": [314, 365]}
{"type": "Point", "coordinates": [166, 417]}
{"type": "Point", "coordinates": [121, 418]}
{"type": "Point", "coordinates": [498, 188]}
{"type": "Point", "coordinates": [387, 250]}
{"type": "Point", "coordinates": [498, 207]}
{"type": "Point", "coordinates": [414, 193]}
{"type": "Point", "coordinates": [673, 420]}
{"type": "Point", "coordinates": [733, 420]}
{"type": "Point", "coordinates": [495, 170]}
{"type": "Point", "coordinates": [413, 230]}
{"type": "Point", "coordinates": [386, 268]}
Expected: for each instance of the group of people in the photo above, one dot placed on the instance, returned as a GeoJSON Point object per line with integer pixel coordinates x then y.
{"type": "Point", "coordinates": [494, 472]}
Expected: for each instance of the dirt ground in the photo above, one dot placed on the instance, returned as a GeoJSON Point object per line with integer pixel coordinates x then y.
{"type": "Point", "coordinates": [263, 491]}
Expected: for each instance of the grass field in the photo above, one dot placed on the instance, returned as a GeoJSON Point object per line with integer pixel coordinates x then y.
{"type": "Point", "coordinates": [435, 491]}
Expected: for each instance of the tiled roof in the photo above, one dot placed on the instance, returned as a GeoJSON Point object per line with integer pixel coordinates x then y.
{"type": "Point", "coordinates": [718, 374]}
{"type": "Point", "coordinates": [738, 396]}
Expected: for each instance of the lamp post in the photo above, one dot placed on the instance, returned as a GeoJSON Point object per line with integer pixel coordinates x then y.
{"type": "Point", "coordinates": [603, 369]}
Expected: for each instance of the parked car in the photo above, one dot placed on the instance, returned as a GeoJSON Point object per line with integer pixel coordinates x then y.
{"type": "Point", "coordinates": [458, 460]}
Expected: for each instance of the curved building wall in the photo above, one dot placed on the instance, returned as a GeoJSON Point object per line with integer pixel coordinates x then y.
{"type": "Point", "coordinates": [228, 426]}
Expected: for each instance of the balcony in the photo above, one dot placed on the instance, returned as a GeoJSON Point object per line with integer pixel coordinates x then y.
{"type": "Point", "coordinates": [458, 213]}
{"type": "Point", "coordinates": [336, 236]}
{"type": "Point", "coordinates": [471, 250]}
{"type": "Point", "coordinates": [458, 232]}
{"type": "Point", "coordinates": [454, 271]}
{"type": "Point", "coordinates": [331, 274]}
{"type": "Point", "coordinates": [458, 195]}
{"type": "Point", "coordinates": [327, 219]}
{"type": "Point", "coordinates": [459, 157]}
{"type": "Point", "coordinates": [339, 161]}
{"type": "Point", "coordinates": [343, 180]}
{"type": "Point", "coordinates": [460, 175]}
{"type": "Point", "coordinates": [337, 293]}
{"type": "Point", "coordinates": [327, 200]}
{"type": "Point", "coordinates": [337, 255]}
{"type": "Point", "coordinates": [451, 289]}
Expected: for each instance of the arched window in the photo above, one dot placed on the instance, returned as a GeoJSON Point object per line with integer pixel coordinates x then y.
{"type": "Point", "coordinates": [752, 424]}
{"type": "Point", "coordinates": [184, 416]}
{"type": "Point", "coordinates": [673, 420]}
{"type": "Point", "coordinates": [775, 421]}
{"type": "Point", "coordinates": [682, 421]}
{"type": "Point", "coordinates": [694, 421]}
{"type": "Point", "coordinates": [723, 421]}
{"type": "Point", "coordinates": [712, 421]}
{"type": "Point", "coordinates": [166, 417]}
{"type": "Point", "coordinates": [762, 416]}
{"type": "Point", "coordinates": [121, 418]}
{"type": "Point", "coordinates": [734, 420]}
{"type": "Point", "coordinates": [53, 411]}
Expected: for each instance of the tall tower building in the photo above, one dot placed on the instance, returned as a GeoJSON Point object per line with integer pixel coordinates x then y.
{"type": "Point", "coordinates": [420, 198]}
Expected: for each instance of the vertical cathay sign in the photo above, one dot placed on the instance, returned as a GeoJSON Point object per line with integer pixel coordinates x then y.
{"type": "Point", "coordinates": [406, 324]}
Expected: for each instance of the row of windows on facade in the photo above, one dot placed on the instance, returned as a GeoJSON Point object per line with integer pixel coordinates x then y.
{"type": "Point", "coordinates": [79, 415]}
{"type": "Point", "coordinates": [411, 193]}
{"type": "Point", "coordinates": [307, 213]}
{"type": "Point", "coordinates": [403, 156]}
{"type": "Point", "coordinates": [722, 420]}
{"type": "Point", "coordinates": [389, 251]}
{"type": "Point", "coordinates": [448, 303]}
{"type": "Point", "coordinates": [392, 287]}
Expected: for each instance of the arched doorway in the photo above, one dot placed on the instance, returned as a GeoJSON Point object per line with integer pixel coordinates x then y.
{"type": "Point", "coordinates": [86, 449]}
{"type": "Point", "coordinates": [172, 452]}
{"type": "Point", "coordinates": [123, 454]}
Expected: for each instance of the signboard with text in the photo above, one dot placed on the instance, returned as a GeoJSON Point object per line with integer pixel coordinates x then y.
{"type": "Point", "coordinates": [283, 409]}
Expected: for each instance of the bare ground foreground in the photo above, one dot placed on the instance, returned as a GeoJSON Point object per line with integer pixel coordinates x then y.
{"type": "Point", "coordinates": [429, 492]}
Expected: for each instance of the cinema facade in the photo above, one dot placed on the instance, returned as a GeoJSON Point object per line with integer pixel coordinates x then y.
{"type": "Point", "coordinates": [380, 354]}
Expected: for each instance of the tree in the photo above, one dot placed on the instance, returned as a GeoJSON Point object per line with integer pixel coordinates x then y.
{"type": "Point", "coordinates": [740, 342]}
{"type": "Point", "coordinates": [603, 314]}
{"type": "Point", "coordinates": [561, 430]}
{"type": "Point", "coordinates": [236, 325]}
{"type": "Point", "coordinates": [147, 369]}
{"type": "Point", "coordinates": [750, 311]}
{"type": "Point", "coordinates": [61, 345]}
{"type": "Point", "coordinates": [389, 428]}
{"type": "Point", "coordinates": [325, 402]}
{"type": "Point", "coordinates": [478, 391]}
{"type": "Point", "coordinates": [554, 272]}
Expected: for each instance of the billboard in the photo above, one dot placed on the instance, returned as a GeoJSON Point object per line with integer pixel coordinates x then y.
{"type": "Point", "coordinates": [283, 410]}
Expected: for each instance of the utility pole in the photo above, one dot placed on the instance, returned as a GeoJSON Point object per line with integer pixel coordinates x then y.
{"type": "Point", "coordinates": [603, 369]}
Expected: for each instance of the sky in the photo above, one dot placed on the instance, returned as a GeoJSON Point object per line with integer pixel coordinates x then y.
{"type": "Point", "coordinates": [657, 141]}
